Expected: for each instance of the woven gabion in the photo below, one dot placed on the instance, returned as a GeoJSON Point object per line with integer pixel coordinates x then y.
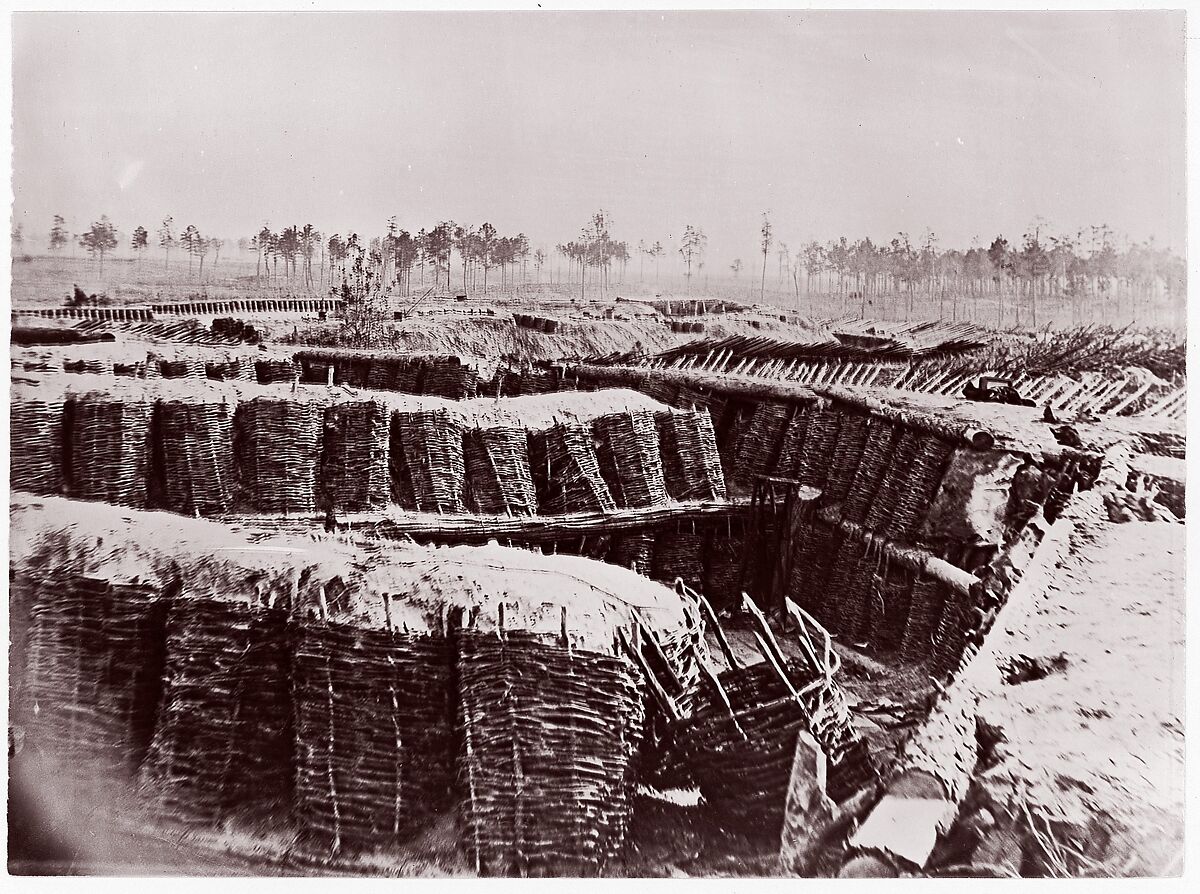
{"type": "Point", "coordinates": [277, 450]}
{"type": "Point", "coordinates": [374, 750]}
{"type": "Point", "coordinates": [630, 462]}
{"type": "Point", "coordinates": [691, 462]}
{"type": "Point", "coordinates": [551, 736]}
{"type": "Point", "coordinates": [108, 448]}
{"type": "Point", "coordinates": [925, 610]}
{"type": "Point", "coordinates": [195, 444]}
{"type": "Point", "coordinates": [499, 480]}
{"type": "Point", "coordinates": [223, 741]}
{"type": "Point", "coordinates": [270, 372]}
{"type": "Point", "coordinates": [566, 470]}
{"type": "Point", "coordinates": [679, 554]}
{"type": "Point", "coordinates": [94, 663]}
{"type": "Point", "coordinates": [431, 447]}
{"type": "Point", "coordinates": [882, 437]}
{"type": "Point", "coordinates": [633, 550]}
{"type": "Point", "coordinates": [36, 443]}
{"type": "Point", "coordinates": [758, 448]}
{"type": "Point", "coordinates": [355, 473]}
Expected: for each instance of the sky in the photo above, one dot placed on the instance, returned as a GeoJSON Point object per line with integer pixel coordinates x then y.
{"type": "Point", "coordinates": [847, 123]}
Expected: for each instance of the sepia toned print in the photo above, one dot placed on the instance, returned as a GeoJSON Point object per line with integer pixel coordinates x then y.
{"type": "Point", "coordinates": [621, 444]}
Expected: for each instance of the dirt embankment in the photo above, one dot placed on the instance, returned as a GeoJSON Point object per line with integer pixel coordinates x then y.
{"type": "Point", "coordinates": [1090, 711]}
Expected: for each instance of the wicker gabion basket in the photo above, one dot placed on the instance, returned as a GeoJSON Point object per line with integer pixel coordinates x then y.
{"type": "Point", "coordinates": [431, 459]}
{"type": "Point", "coordinates": [894, 483]}
{"type": "Point", "coordinates": [882, 438]}
{"type": "Point", "coordinates": [36, 440]}
{"type": "Point", "coordinates": [630, 462]}
{"type": "Point", "coordinates": [633, 550]}
{"type": "Point", "coordinates": [919, 488]}
{"type": "Point", "coordinates": [277, 451]}
{"type": "Point", "coordinates": [271, 372]}
{"type": "Point", "coordinates": [847, 454]}
{"type": "Point", "coordinates": [691, 462]}
{"type": "Point", "coordinates": [223, 741]}
{"type": "Point", "coordinates": [791, 447]}
{"type": "Point", "coordinates": [499, 480]}
{"type": "Point", "coordinates": [374, 749]}
{"type": "Point", "coordinates": [723, 561]}
{"type": "Point", "coordinates": [183, 368]}
{"type": "Point", "coordinates": [450, 378]}
{"type": "Point", "coordinates": [94, 660]}
{"type": "Point", "coordinates": [820, 437]}
{"type": "Point", "coordinates": [551, 736]}
{"type": "Point", "coordinates": [566, 470]}
{"type": "Point", "coordinates": [924, 613]}
{"type": "Point", "coordinates": [679, 554]}
{"type": "Point", "coordinates": [757, 451]}
{"type": "Point", "coordinates": [108, 446]}
{"type": "Point", "coordinates": [355, 474]}
{"type": "Point", "coordinates": [194, 440]}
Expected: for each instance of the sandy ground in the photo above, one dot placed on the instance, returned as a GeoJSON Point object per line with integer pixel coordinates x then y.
{"type": "Point", "coordinates": [1092, 711]}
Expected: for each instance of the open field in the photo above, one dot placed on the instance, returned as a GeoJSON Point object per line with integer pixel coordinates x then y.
{"type": "Point", "coordinates": [49, 280]}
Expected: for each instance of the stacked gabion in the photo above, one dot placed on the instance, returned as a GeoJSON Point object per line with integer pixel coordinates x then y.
{"type": "Point", "coordinates": [195, 440]}
{"type": "Point", "coordinates": [499, 481]}
{"type": "Point", "coordinates": [566, 470]}
{"type": "Point", "coordinates": [630, 462]}
{"type": "Point", "coordinates": [36, 440]}
{"type": "Point", "coordinates": [94, 659]}
{"type": "Point", "coordinates": [277, 449]}
{"type": "Point", "coordinates": [373, 734]}
{"type": "Point", "coordinates": [355, 471]}
{"type": "Point", "coordinates": [551, 735]}
{"type": "Point", "coordinates": [223, 741]}
{"type": "Point", "coordinates": [108, 447]}
{"type": "Point", "coordinates": [691, 462]}
{"type": "Point", "coordinates": [431, 459]}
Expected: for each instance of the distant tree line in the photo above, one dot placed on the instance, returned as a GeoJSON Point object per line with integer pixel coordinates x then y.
{"type": "Point", "coordinates": [1090, 264]}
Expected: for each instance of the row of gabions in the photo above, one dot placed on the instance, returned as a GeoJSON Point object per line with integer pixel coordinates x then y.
{"type": "Point", "coordinates": [207, 454]}
{"type": "Point", "coordinates": [223, 709]}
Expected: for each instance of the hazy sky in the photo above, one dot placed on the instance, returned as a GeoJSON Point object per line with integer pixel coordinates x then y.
{"type": "Point", "coordinates": [838, 123]}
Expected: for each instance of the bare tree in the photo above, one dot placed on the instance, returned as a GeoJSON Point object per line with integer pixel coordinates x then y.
{"type": "Point", "coordinates": [766, 247]}
{"type": "Point", "coordinates": [691, 248]}
{"type": "Point", "coordinates": [166, 239]}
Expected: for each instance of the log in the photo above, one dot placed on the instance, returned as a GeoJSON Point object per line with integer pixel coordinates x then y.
{"type": "Point", "coordinates": [915, 559]}
{"type": "Point", "coordinates": [975, 438]}
{"type": "Point", "coordinates": [398, 524]}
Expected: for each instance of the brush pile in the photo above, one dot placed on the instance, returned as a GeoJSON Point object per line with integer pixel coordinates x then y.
{"type": "Point", "coordinates": [738, 734]}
